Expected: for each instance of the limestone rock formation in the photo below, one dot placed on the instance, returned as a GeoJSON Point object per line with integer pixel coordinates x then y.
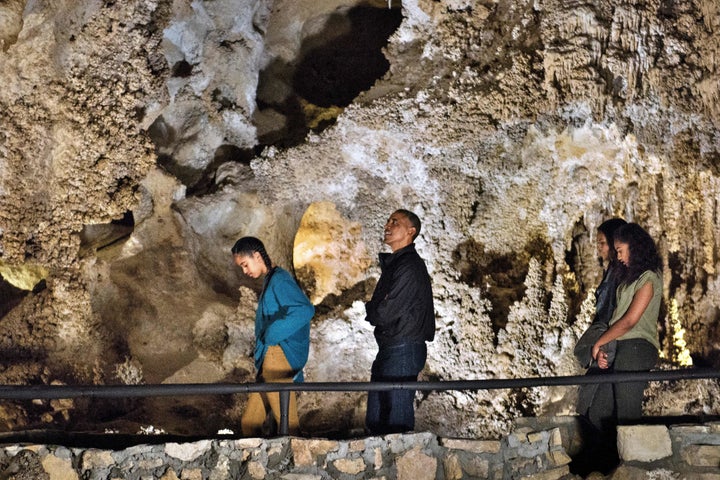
{"type": "Point", "coordinates": [327, 257]}
{"type": "Point", "coordinates": [140, 139]}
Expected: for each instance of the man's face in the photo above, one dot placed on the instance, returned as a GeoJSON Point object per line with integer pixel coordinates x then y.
{"type": "Point", "coordinates": [398, 231]}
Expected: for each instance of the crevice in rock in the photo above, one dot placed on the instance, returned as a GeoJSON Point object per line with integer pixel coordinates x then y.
{"type": "Point", "coordinates": [708, 354]}
{"type": "Point", "coordinates": [11, 22]}
{"type": "Point", "coordinates": [187, 175]}
{"type": "Point", "coordinates": [161, 133]}
{"type": "Point", "coordinates": [335, 303]}
{"type": "Point", "coordinates": [500, 277]}
{"type": "Point", "coordinates": [182, 69]}
{"type": "Point", "coordinates": [333, 67]}
{"type": "Point", "coordinates": [211, 178]}
{"type": "Point", "coordinates": [10, 296]}
{"type": "Point", "coordinates": [98, 236]}
{"type": "Point", "coordinates": [199, 181]}
{"type": "Point", "coordinates": [576, 283]}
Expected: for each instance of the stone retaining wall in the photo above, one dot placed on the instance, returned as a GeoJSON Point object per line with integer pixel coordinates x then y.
{"type": "Point", "coordinates": [679, 452]}
{"type": "Point", "coordinates": [692, 451]}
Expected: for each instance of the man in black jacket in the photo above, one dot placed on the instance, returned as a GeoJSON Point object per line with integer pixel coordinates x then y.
{"type": "Point", "coordinates": [403, 314]}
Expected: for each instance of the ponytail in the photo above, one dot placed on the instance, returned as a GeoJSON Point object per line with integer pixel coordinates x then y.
{"type": "Point", "coordinates": [248, 246]}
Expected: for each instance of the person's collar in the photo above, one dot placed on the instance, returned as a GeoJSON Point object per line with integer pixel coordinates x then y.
{"type": "Point", "coordinates": [387, 258]}
{"type": "Point", "coordinates": [406, 248]}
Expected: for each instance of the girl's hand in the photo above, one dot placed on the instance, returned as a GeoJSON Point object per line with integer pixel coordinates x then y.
{"type": "Point", "coordinates": [603, 360]}
{"type": "Point", "coordinates": [600, 356]}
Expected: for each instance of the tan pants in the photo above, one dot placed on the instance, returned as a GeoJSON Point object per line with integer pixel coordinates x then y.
{"type": "Point", "coordinates": [275, 368]}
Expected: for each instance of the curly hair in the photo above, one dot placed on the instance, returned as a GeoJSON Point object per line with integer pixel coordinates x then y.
{"type": "Point", "coordinates": [643, 252]}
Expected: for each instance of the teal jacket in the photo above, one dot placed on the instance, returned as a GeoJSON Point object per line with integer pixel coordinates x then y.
{"type": "Point", "coordinates": [283, 318]}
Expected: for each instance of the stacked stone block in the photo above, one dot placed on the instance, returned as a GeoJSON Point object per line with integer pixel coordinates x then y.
{"type": "Point", "coordinates": [689, 452]}
{"type": "Point", "coordinates": [415, 456]}
{"type": "Point", "coordinates": [535, 454]}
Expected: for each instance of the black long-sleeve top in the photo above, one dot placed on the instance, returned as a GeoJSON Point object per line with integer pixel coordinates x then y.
{"type": "Point", "coordinates": [401, 308]}
{"type": "Point", "coordinates": [605, 300]}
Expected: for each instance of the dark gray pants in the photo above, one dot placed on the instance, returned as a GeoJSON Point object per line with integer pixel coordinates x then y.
{"type": "Point", "coordinates": [634, 355]}
{"type": "Point", "coordinates": [621, 403]}
{"type": "Point", "coordinates": [612, 404]}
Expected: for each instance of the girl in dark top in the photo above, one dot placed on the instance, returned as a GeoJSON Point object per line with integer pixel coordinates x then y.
{"type": "Point", "coordinates": [604, 307]}
{"type": "Point", "coordinates": [595, 400]}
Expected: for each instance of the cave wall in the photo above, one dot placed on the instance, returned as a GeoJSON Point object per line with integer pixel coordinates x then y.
{"type": "Point", "coordinates": [140, 139]}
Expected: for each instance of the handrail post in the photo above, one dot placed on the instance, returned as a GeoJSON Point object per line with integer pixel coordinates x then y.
{"type": "Point", "coordinates": [284, 409]}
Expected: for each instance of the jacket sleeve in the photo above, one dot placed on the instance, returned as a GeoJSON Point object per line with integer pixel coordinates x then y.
{"type": "Point", "coordinates": [393, 298]}
{"type": "Point", "coordinates": [294, 310]}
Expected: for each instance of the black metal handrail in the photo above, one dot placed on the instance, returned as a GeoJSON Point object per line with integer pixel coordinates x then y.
{"type": "Point", "coordinates": [31, 392]}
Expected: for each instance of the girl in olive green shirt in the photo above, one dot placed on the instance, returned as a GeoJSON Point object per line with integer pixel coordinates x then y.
{"type": "Point", "coordinates": [634, 321]}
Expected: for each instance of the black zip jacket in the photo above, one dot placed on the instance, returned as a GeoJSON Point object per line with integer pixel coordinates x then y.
{"type": "Point", "coordinates": [401, 308]}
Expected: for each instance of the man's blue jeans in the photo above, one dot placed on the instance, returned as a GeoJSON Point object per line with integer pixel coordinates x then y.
{"type": "Point", "coordinates": [393, 411]}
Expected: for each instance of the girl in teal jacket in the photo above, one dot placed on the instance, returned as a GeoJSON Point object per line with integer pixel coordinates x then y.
{"type": "Point", "coordinates": [282, 333]}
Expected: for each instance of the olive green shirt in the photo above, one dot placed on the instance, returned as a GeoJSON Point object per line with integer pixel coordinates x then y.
{"type": "Point", "coordinates": [646, 327]}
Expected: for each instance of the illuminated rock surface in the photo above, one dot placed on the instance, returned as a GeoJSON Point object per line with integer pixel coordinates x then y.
{"type": "Point", "coordinates": [327, 256]}
{"type": "Point", "coordinates": [140, 139]}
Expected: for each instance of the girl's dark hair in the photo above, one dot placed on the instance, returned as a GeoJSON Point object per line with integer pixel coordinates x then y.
{"type": "Point", "coordinates": [608, 228]}
{"type": "Point", "coordinates": [246, 246]}
{"type": "Point", "coordinates": [643, 252]}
